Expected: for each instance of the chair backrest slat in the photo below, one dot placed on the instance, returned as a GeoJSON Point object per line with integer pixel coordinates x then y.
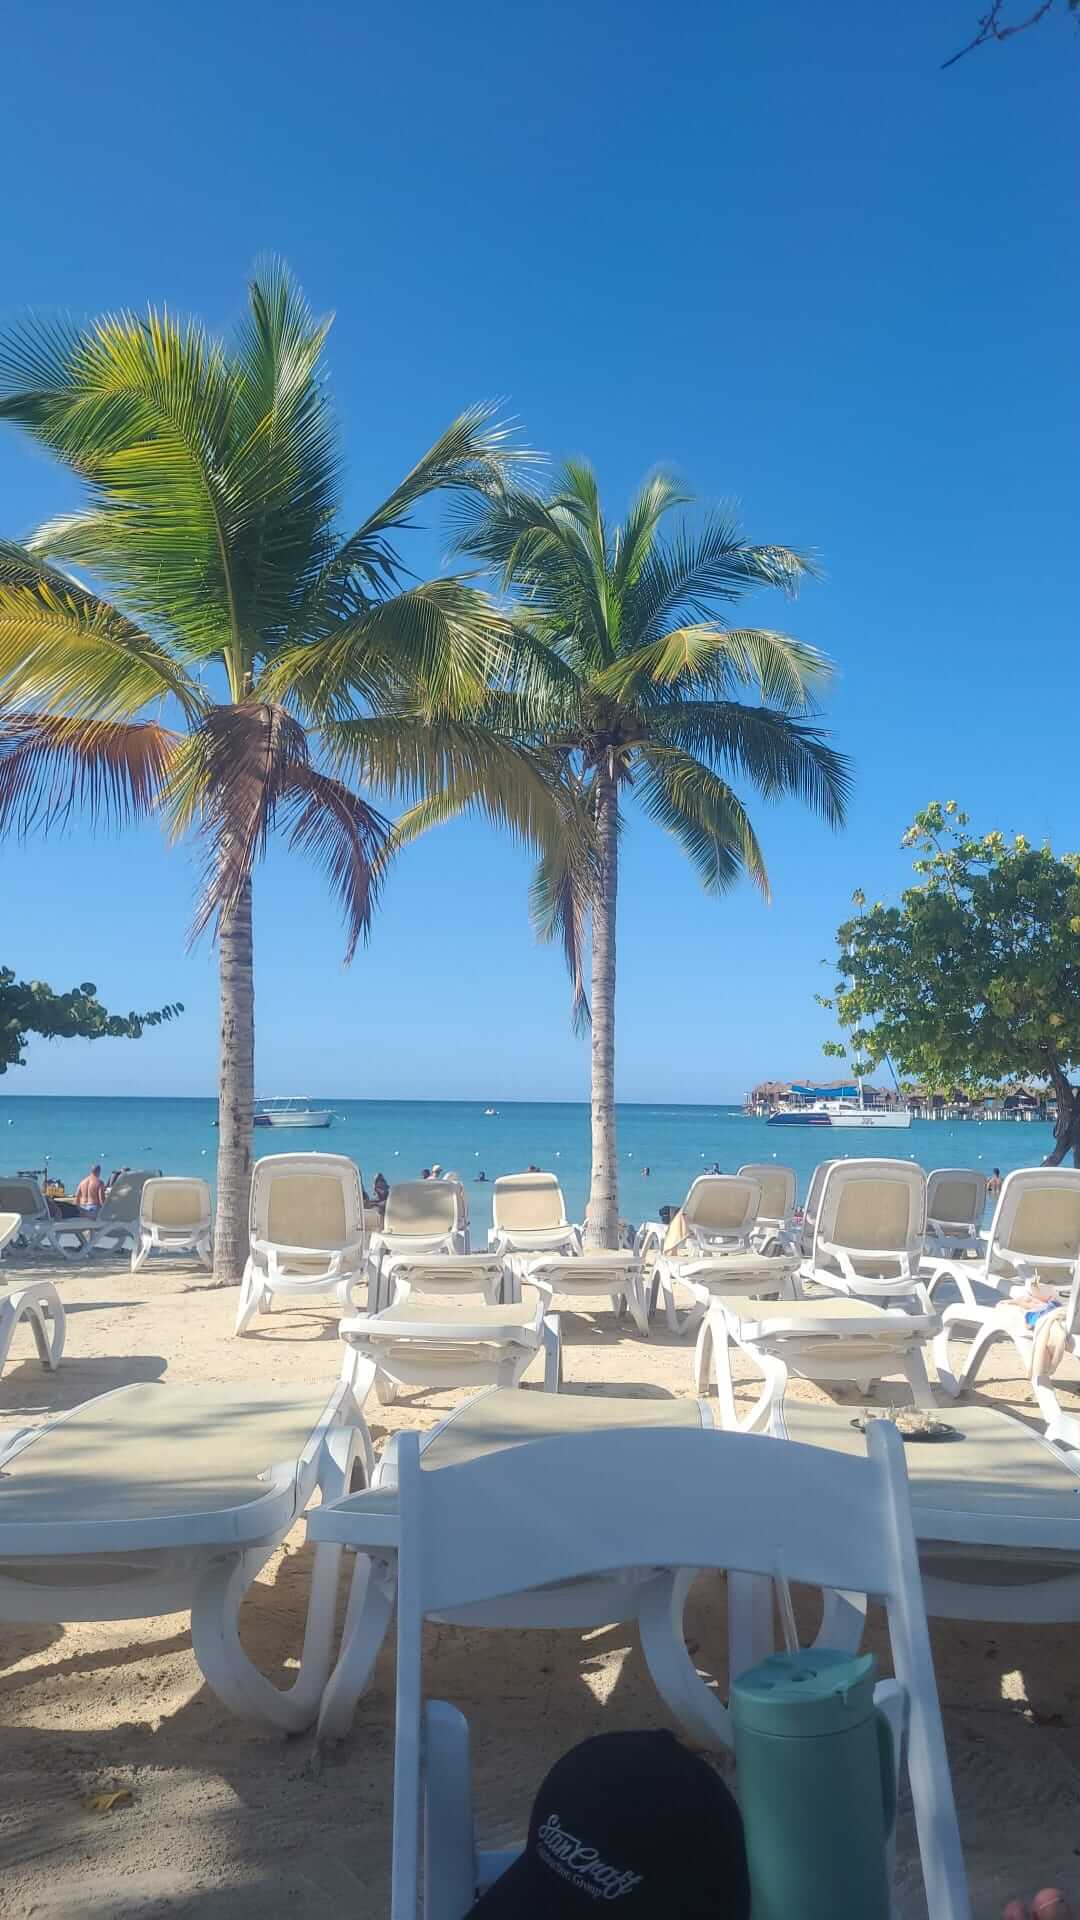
{"type": "Point", "coordinates": [956, 1196]}
{"type": "Point", "coordinates": [124, 1197]}
{"type": "Point", "coordinates": [1038, 1216]}
{"type": "Point", "coordinates": [527, 1203]}
{"type": "Point", "coordinates": [175, 1202]}
{"type": "Point", "coordinates": [813, 1203]}
{"type": "Point", "coordinates": [307, 1200]}
{"type": "Point", "coordinates": [724, 1203]}
{"type": "Point", "coordinates": [422, 1207]}
{"type": "Point", "coordinates": [23, 1197]}
{"type": "Point", "coordinates": [874, 1206]}
{"type": "Point", "coordinates": [778, 1189]}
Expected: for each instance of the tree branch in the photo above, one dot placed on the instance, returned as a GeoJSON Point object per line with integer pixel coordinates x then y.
{"type": "Point", "coordinates": [991, 27]}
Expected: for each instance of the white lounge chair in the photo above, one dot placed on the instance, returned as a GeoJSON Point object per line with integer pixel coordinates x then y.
{"type": "Point", "coordinates": [1034, 1237]}
{"type": "Point", "coordinates": [416, 1343]}
{"type": "Point", "coordinates": [594, 1274]}
{"type": "Point", "coordinates": [37, 1229]}
{"type": "Point", "coordinates": [37, 1302]}
{"type": "Point", "coordinates": [401, 1275]}
{"type": "Point", "coordinates": [997, 1513]}
{"type": "Point", "coordinates": [824, 1340]}
{"type": "Point", "coordinates": [116, 1220]}
{"type": "Point", "coordinates": [955, 1202]}
{"type": "Point", "coordinates": [488, 1423]}
{"type": "Point", "coordinates": [715, 1255]}
{"type": "Point", "coordinates": [529, 1216]}
{"type": "Point", "coordinates": [804, 1236]}
{"type": "Point", "coordinates": [676, 1500]}
{"type": "Point", "coordinates": [307, 1231]}
{"type": "Point", "coordinates": [175, 1216]}
{"type": "Point", "coordinates": [772, 1229]}
{"type": "Point", "coordinates": [160, 1499]}
{"type": "Point", "coordinates": [869, 1232]}
{"type": "Point", "coordinates": [420, 1217]}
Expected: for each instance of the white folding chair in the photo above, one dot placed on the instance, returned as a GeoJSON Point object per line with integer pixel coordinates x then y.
{"type": "Point", "coordinates": [37, 1302]}
{"type": "Point", "coordinates": [669, 1499]}
{"type": "Point", "coordinates": [529, 1216]}
{"type": "Point", "coordinates": [779, 1189]}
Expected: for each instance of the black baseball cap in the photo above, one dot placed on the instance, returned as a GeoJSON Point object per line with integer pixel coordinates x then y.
{"type": "Point", "coordinates": [632, 1820]}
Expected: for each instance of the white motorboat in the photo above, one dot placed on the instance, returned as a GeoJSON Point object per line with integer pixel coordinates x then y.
{"type": "Point", "coordinates": [291, 1111]}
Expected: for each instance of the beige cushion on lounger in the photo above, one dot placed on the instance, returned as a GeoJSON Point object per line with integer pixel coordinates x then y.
{"type": "Point", "coordinates": [516, 1314]}
{"type": "Point", "coordinates": [156, 1450]}
{"type": "Point", "coordinates": [757, 1269]}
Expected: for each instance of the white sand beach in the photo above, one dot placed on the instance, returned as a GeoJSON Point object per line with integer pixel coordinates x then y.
{"type": "Point", "coordinates": [223, 1820]}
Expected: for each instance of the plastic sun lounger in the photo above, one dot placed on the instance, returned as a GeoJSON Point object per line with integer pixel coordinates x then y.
{"type": "Point", "coordinates": [869, 1232]}
{"type": "Point", "coordinates": [400, 1275]}
{"type": "Point", "coordinates": [955, 1202]}
{"type": "Point", "coordinates": [37, 1302]}
{"type": "Point", "coordinates": [37, 1228]}
{"type": "Point", "coordinates": [307, 1231]}
{"type": "Point", "coordinates": [529, 1216]}
{"type": "Point", "coordinates": [830, 1339]}
{"type": "Point", "coordinates": [490, 1423]}
{"type": "Point", "coordinates": [779, 1191]}
{"type": "Point", "coordinates": [159, 1499]}
{"type": "Point", "coordinates": [593, 1275]}
{"type": "Point", "coordinates": [175, 1216]}
{"type": "Point", "coordinates": [420, 1344]}
{"type": "Point", "coordinates": [570, 1508]}
{"type": "Point", "coordinates": [116, 1220]}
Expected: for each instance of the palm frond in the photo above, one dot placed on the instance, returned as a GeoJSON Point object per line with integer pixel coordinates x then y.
{"type": "Point", "coordinates": [717, 659]}
{"type": "Point", "coordinates": [474, 458]}
{"type": "Point", "coordinates": [559, 909]}
{"type": "Point", "coordinates": [776, 752]}
{"type": "Point", "coordinates": [232, 774]}
{"type": "Point", "coordinates": [344, 836]}
{"type": "Point", "coordinates": [49, 766]}
{"type": "Point", "coordinates": [709, 821]}
{"type": "Point", "coordinates": [636, 538]}
{"type": "Point", "coordinates": [542, 549]}
{"type": "Point", "coordinates": [64, 648]}
{"type": "Point", "coordinates": [435, 647]}
{"type": "Point", "coordinates": [683, 577]}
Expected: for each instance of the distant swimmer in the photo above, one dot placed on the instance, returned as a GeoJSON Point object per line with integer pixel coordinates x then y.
{"type": "Point", "coordinates": [532, 1167]}
{"type": "Point", "coordinates": [481, 1175]}
{"type": "Point", "coordinates": [425, 1173]}
{"type": "Point", "coordinates": [993, 1185]}
{"type": "Point", "coordinates": [645, 1172]}
{"type": "Point", "coordinates": [90, 1192]}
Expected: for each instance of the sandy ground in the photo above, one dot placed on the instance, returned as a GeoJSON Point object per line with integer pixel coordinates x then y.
{"type": "Point", "coordinates": [227, 1822]}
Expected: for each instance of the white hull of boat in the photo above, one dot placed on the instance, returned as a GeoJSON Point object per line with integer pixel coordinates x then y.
{"type": "Point", "coordinates": [312, 1119]}
{"type": "Point", "coordinates": [856, 1117]}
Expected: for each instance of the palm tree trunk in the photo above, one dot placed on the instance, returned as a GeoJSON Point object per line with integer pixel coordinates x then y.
{"type": "Point", "coordinates": [236, 1089]}
{"type": "Point", "coordinates": [602, 1217]}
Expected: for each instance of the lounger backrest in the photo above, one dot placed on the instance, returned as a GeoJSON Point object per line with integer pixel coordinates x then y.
{"type": "Point", "coordinates": [813, 1202]}
{"type": "Point", "coordinates": [778, 1189]}
{"type": "Point", "coordinates": [307, 1200]}
{"type": "Point", "coordinates": [726, 1203]}
{"type": "Point", "coordinates": [23, 1197]}
{"type": "Point", "coordinates": [421, 1207]}
{"type": "Point", "coordinates": [663, 1498]}
{"type": "Point", "coordinates": [1038, 1215]}
{"type": "Point", "coordinates": [9, 1227]}
{"type": "Point", "coordinates": [873, 1206]}
{"type": "Point", "coordinates": [956, 1196]}
{"type": "Point", "coordinates": [527, 1203]}
{"type": "Point", "coordinates": [175, 1203]}
{"type": "Point", "coordinates": [125, 1195]}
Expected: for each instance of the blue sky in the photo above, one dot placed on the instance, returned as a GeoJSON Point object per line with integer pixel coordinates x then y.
{"type": "Point", "coordinates": [773, 246]}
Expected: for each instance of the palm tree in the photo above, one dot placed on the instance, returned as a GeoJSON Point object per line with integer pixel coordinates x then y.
{"type": "Point", "coordinates": [177, 682]}
{"type": "Point", "coordinates": [629, 672]}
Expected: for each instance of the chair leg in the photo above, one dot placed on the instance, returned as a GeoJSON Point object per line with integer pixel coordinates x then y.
{"type": "Point", "coordinates": [638, 1310]}
{"type": "Point", "coordinates": [386, 1390]}
{"type": "Point", "coordinates": [450, 1867]}
{"type": "Point", "coordinates": [553, 1366]}
{"type": "Point", "coordinates": [251, 1291]}
{"type": "Point", "coordinates": [677, 1680]}
{"type": "Point", "coordinates": [703, 1358]}
{"type": "Point", "coordinates": [139, 1251]}
{"type": "Point", "coordinates": [367, 1617]}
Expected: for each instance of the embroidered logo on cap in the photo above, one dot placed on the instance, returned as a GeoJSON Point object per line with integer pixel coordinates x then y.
{"type": "Point", "coordinates": [572, 1859]}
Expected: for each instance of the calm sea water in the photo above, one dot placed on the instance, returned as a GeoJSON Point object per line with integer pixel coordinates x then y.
{"type": "Point", "coordinates": [398, 1138]}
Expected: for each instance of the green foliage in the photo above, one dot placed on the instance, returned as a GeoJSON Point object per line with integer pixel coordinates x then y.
{"type": "Point", "coordinates": [975, 977]}
{"type": "Point", "coordinates": [29, 1006]}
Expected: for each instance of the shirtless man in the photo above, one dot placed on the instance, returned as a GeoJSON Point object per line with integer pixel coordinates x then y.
{"type": "Point", "coordinates": [90, 1192]}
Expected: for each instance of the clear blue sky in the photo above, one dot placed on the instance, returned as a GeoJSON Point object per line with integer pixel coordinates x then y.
{"type": "Point", "coordinates": [773, 245]}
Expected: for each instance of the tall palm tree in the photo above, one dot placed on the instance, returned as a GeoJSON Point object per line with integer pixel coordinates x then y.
{"type": "Point", "coordinates": [177, 682]}
{"type": "Point", "coordinates": [629, 671]}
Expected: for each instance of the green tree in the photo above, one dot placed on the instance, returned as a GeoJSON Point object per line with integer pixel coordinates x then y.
{"type": "Point", "coordinates": [178, 683]}
{"type": "Point", "coordinates": [627, 675]}
{"type": "Point", "coordinates": [29, 1006]}
{"type": "Point", "coordinates": [975, 976]}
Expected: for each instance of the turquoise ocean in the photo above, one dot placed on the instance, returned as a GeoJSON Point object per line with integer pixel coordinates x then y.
{"type": "Point", "coordinates": [399, 1138]}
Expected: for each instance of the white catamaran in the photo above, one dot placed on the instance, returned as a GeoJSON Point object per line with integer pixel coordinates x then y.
{"type": "Point", "coordinates": [840, 1110]}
